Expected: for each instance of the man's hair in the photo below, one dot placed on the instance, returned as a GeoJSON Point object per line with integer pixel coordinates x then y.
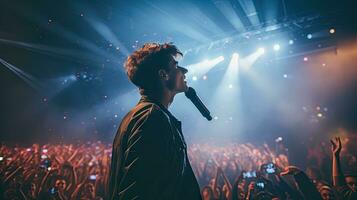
{"type": "Point", "coordinates": [143, 65]}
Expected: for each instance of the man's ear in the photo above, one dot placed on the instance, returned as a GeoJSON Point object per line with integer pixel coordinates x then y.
{"type": "Point", "coordinates": [163, 74]}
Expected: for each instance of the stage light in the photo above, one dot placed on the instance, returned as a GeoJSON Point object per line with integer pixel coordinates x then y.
{"type": "Point", "coordinates": [276, 47]}
{"type": "Point", "coordinates": [203, 67]}
{"type": "Point", "coordinates": [235, 55]}
{"type": "Point", "coordinates": [194, 78]}
{"type": "Point", "coordinates": [309, 36]}
{"type": "Point", "coordinates": [332, 30]}
{"type": "Point", "coordinates": [261, 50]}
{"type": "Point", "coordinates": [220, 59]}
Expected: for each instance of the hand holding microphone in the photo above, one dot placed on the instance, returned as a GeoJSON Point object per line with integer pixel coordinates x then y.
{"type": "Point", "coordinates": [192, 95]}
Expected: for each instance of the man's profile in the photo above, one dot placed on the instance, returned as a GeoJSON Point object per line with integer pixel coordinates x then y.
{"type": "Point", "coordinates": [149, 157]}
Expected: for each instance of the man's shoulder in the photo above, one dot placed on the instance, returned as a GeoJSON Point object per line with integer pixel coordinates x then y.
{"type": "Point", "coordinates": [146, 110]}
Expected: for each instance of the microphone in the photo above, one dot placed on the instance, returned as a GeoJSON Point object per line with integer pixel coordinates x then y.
{"type": "Point", "coordinates": [191, 94]}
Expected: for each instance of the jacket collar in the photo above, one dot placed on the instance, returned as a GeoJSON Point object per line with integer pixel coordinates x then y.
{"type": "Point", "coordinates": [146, 98]}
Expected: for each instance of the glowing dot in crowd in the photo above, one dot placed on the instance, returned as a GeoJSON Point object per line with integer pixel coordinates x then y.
{"type": "Point", "coordinates": [44, 150]}
{"type": "Point", "coordinates": [215, 118]}
{"type": "Point", "coordinates": [82, 14]}
{"type": "Point", "coordinates": [115, 116]}
{"type": "Point", "coordinates": [28, 149]}
{"type": "Point", "coordinates": [276, 47]}
{"type": "Point", "coordinates": [50, 20]}
{"type": "Point", "coordinates": [332, 30]}
{"type": "Point", "coordinates": [306, 59]}
{"type": "Point", "coordinates": [204, 77]}
{"type": "Point", "coordinates": [95, 118]}
{"type": "Point", "coordinates": [324, 64]}
{"type": "Point", "coordinates": [1, 158]}
{"type": "Point", "coordinates": [325, 109]}
{"type": "Point", "coordinates": [194, 78]}
{"type": "Point", "coordinates": [285, 76]}
{"type": "Point", "coordinates": [291, 42]}
{"type": "Point", "coordinates": [230, 86]}
{"type": "Point", "coordinates": [319, 115]}
{"type": "Point", "coordinates": [318, 108]}
{"type": "Point", "coordinates": [64, 117]}
{"type": "Point", "coordinates": [43, 156]}
{"type": "Point", "coordinates": [117, 48]}
{"type": "Point", "coordinates": [44, 99]}
{"type": "Point", "coordinates": [309, 36]}
{"type": "Point", "coordinates": [278, 139]}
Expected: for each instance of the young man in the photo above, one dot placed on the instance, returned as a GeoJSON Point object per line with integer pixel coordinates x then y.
{"type": "Point", "coordinates": [149, 158]}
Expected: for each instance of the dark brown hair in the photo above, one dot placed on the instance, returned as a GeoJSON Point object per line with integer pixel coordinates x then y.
{"type": "Point", "coordinates": [143, 65]}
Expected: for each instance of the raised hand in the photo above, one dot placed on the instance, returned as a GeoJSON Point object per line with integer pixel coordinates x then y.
{"type": "Point", "coordinates": [336, 146]}
{"type": "Point", "coordinates": [290, 170]}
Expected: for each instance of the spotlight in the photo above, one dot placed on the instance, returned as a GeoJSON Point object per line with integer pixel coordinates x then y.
{"type": "Point", "coordinates": [276, 47]}
{"type": "Point", "coordinates": [291, 42]}
{"type": "Point", "coordinates": [332, 30]}
{"type": "Point", "coordinates": [309, 36]}
{"type": "Point", "coordinates": [261, 50]}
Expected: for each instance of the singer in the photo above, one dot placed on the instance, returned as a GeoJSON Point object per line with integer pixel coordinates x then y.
{"type": "Point", "coordinates": [149, 158]}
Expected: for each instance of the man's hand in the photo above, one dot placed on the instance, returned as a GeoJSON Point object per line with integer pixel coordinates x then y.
{"type": "Point", "coordinates": [336, 146]}
{"type": "Point", "coordinates": [290, 170]}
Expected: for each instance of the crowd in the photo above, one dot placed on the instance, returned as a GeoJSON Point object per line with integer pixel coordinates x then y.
{"type": "Point", "coordinates": [233, 171]}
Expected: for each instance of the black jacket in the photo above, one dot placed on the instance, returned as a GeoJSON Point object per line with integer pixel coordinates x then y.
{"type": "Point", "coordinates": [149, 157]}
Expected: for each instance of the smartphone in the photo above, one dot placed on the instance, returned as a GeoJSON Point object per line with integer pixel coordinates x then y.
{"type": "Point", "coordinates": [53, 190]}
{"type": "Point", "coordinates": [92, 177]}
{"type": "Point", "coordinates": [259, 185]}
{"type": "Point", "coordinates": [269, 168]}
{"type": "Point", "coordinates": [249, 174]}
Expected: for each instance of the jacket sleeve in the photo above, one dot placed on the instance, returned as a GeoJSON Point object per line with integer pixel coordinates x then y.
{"type": "Point", "coordinates": [307, 187]}
{"type": "Point", "coordinates": [147, 157]}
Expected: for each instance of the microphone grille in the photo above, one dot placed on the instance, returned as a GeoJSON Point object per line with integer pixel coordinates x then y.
{"type": "Point", "coordinates": [190, 92]}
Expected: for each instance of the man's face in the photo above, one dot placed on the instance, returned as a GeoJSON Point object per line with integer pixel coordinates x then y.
{"type": "Point", "coordinates": [326, 194]}
{"type": "Point", "coordinates": [351, 182]}
{"type": "Point", "coordinates": [60, 184]}
{"type": "Point", "coordinates": [176, 78]}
